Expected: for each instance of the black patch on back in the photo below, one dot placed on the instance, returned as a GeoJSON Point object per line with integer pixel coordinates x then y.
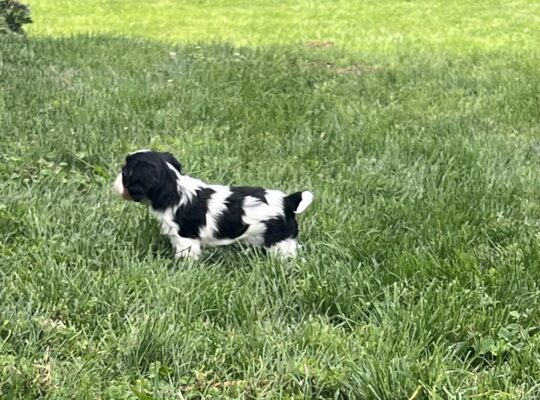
{"type": "Point", "coordinates": [244, 191]}
{"type": "Point", "coordinates": [191, 217]}
{"type": "Point", "coordinates": [230, 224]}
{"type": "Point", "coordinates": [280, 228]}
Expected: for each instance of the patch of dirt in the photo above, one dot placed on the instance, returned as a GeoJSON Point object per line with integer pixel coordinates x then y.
{"type": "Point", "coordinates": [356, 69]}
{"type": "Point", "coordinates": [319, 44]}
{"type": "Point", "coordinates": [352, 69]}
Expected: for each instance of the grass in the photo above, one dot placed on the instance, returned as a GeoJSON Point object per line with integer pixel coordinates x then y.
{"type": "Point", "coordinates": [370, 25]}
{"type": "Point", "coordinates": [420, 273]}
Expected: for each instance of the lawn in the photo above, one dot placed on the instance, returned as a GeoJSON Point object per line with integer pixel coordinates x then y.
{"type": "Point", "coordinates": [380, 26]}
{"type": "Point", "coordinates": [420, 273]}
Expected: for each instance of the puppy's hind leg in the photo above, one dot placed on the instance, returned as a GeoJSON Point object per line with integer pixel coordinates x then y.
{"type": "Point", "coordinates": [186, 247]}
{"type": "Point", "coordinates": [286, 248]}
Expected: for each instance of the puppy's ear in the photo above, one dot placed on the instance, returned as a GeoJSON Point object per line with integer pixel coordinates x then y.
{"type": "Point", "coordinates": [137, 192]}
{"type": "Point", "coordinates": [142, 177]}
{"type": "Point", "coordinates": [169, 158]}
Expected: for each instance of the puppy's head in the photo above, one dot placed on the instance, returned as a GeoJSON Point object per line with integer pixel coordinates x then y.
{"type": "Point", "coordinates": [148, 175]}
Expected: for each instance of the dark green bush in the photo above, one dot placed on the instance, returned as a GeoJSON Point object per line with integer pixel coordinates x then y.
{"type": "Point", "coordinates": [13, 15]}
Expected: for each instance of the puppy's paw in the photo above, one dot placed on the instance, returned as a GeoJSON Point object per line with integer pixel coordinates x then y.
{"type": "Point", "coordinates": [187, 254]}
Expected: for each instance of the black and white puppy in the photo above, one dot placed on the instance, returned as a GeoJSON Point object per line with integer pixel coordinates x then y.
{"type": "Point", "coordinates": [195, 214]}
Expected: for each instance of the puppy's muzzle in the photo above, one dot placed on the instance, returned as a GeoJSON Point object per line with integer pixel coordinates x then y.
{"type": "Point", "coordinates": [119, 188]}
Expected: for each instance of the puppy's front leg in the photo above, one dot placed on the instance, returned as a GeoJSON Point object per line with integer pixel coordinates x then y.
{"type": "Point", "coordinates": [186, 247]}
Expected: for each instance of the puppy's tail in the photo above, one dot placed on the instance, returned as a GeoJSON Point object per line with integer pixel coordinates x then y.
{"type": "Point", "coordinates": [298, 202]}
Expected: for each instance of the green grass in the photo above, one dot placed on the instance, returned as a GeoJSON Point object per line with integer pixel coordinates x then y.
{"type": "Point", "coordinates": [371, 25]}
{"type": "Point", "coordinates": [419, 276]}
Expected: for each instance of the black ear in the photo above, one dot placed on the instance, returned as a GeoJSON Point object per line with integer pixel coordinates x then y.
{"type": "Point", "coordinates": [169, 158]}
{"type": "Point", "coordinates": [142, 177]}
{"type": "Point", "coordinates": [137, 192]}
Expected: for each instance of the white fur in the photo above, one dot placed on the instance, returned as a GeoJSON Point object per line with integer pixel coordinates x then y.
{"type": "Point", "coordinates": [184, 247]}
{"type": "Point", "coordinates": [216, 207]}
{"type": "Point", "coordinates": [256, 213]}
{"type": "Point", "coordinates": [166, 219]}
{"type": "Point", "coordinates": [307, 198]}
{"type": "Point", "coordinates": [118, 186]}
{"type": "Point", "coordinates": [186, 185]}
{"type": "Point", "coordinates": [284, 249]}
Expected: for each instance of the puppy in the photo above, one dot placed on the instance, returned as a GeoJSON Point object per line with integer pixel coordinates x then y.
{"type": "Point", "coordinates": [195, 215]}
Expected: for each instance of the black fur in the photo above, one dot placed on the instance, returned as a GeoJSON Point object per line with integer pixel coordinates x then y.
{"type": "Point", "coordinates": [244, 191]}
{"type": "Point", "coordinates": [191, 217]}
{"type": "Point", "coordinates": [292, 201]}
{"type": "Point", "coordinates": [146, 175]}
{"type": "Point", "coordinates": [278, 229]}
{"type": "Point", "coordinates": [168, 157]}
{"type": "Point", "coordinates": [230, 224]}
